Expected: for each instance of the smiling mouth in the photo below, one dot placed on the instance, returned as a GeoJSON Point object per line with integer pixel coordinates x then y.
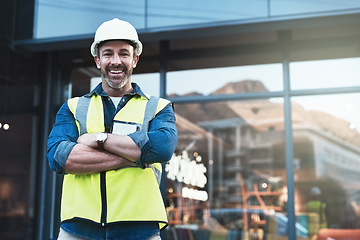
{"type": "Point", "coordinates": [116, 71]}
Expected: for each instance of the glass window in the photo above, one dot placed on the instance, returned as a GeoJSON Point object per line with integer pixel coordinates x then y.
{"type": "Point", "coordinates": [57, 18]}
{"type": "Point", "coordinates": [325, 73]}
{"type": "Point", "coordinates": [149, 83]}
{"type": "Point", "coordinates": [227, 176]}
{"type": "Point", "coordinates": [280, 7]}
{"type": "Point", "coordinates": [229, 80]}
{"type": "Point", "coordinates": [326, 131]}
{"type": "Point", "coordinates": [171, 13]}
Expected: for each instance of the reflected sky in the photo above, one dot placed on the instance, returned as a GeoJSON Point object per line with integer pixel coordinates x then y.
{"type": "Point", "coordinates": [325, 73]}
{"type": "Point", "coordinates": [78, 17]}
{"type": "Point", "coordinates": [208, 80]}
{"type": "Point", "coordinates": [344, 106]}
{"type": "Point", "coordinates": [304, 75]}
{"type": "Point", "coordinates": [329, 74]}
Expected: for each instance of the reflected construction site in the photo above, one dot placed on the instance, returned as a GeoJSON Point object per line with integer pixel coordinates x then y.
{"type": "Point", "coordinates": [236, 150]}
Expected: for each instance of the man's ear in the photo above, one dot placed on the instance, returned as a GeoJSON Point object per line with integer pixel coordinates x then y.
{"type": "Point", "coordinates": [136, 60]}
{"type": "Point", "coordinates": [97, 61]}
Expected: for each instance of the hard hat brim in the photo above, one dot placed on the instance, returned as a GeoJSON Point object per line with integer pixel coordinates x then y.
{"type": "Point", "coordinates": [94, 47]}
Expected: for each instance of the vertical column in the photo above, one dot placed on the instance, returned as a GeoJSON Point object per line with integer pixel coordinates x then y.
{"type": "Point", "coordinates": [164, 52]}
{"type": "Point", "coordinates": [43, 205]}
{"type": "Point", "coordinates": [221, 163]}
{"type": "Point", "coordinates": [210, 168]}
{"type": "Point", "coordinates": [289, 153]}
{"type": "Point", "coordinates": [164, 49]}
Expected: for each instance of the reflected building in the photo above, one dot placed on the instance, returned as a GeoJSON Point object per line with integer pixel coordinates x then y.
{"type": "Point", "coordinates": [242, 147]}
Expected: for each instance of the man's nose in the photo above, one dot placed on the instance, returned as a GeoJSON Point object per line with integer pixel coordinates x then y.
{"type": "Point", "coordinates": [116, 59]}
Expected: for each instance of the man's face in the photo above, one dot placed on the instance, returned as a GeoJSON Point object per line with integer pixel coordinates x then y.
{"type": "Point", "coordinates": [116, 62]}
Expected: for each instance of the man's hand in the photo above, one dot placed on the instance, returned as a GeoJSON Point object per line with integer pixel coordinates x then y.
{"type": "Point", "coordinates": [88, 139]}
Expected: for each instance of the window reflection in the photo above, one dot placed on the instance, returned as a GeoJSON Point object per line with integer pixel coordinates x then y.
{"type": "Point", "coordinates": [279, 7]}
{"type": "Point", "coordinates": [238, 147]}
{"type": "Point", "coordinates": [327, 150]}
{"type": "Point", "coordinates": [88, 15]}
{"type": "Point", "coordinates": [49, 20]}
{"type": "Point", "coordinates": [170, 13]}
{"type": "Point", "coordinates": [325, 73]}
{"type": "Point", "coordinates": [336, 114]}
{"type": "Point", "coordinates": [149, 83]}
{"type": "Point", "coordinates": [258, 78]}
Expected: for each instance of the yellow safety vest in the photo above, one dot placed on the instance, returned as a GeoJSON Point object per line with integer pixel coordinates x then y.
{"type": "Point", "coordinates": [127, 194]}
{"type": "Point", "coordinates": [317, 208]}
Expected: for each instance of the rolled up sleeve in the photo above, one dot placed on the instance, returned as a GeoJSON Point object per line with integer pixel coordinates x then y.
{"type": "Point", "coordinates": [62, 139]}
{"type": "Point", "coordinates": [159, 143]}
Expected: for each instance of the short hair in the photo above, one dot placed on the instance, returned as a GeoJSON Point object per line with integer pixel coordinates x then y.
{"type": "Point", "coordinates": [124, 40]}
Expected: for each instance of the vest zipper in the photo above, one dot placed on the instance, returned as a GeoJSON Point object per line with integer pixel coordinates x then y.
{"type": "Point", "coordinates": [103, 198]}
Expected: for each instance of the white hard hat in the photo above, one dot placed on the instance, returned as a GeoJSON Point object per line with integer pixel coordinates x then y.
{"type": "Point", "coordinates": [116, 30]}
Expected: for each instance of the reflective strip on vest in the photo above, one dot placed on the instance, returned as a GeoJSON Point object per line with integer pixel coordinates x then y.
{"type": "Point", "coordinates": [150, 111]}
{"type": "Point", "coordinates": [81, 113]}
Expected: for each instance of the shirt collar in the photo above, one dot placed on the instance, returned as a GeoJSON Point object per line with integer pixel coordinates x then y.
{"type": "Point", "coordinates": [98, 90]}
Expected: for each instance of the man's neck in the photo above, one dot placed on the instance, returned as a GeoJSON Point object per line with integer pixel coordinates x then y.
{"type": "Point", "coordinates": [118, 92]}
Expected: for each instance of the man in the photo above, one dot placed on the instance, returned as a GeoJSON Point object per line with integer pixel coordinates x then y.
{"type": "Point", "coordinates": [110, 144]}
{"type": "Point", "coordinates": [316, 208]}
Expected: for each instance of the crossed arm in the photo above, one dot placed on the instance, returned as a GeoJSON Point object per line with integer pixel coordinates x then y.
{"type": "Point", "coordinates": [118, 151]}
{"type": "Point", "coordinates": [69, 153]}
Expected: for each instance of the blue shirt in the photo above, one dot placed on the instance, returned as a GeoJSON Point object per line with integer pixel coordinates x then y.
{"type": "Point", "coordinates": [157, 145]}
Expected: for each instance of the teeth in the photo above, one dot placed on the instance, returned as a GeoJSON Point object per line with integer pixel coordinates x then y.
{"type": "Point", "coordinates": [113, 71]}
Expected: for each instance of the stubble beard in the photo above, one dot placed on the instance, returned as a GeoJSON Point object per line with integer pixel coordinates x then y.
{"type": "Point", "coordinates": [124, 80]}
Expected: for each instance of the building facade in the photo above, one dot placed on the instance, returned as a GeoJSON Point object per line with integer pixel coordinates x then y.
{"type": "Point", "coordinates": [266, 96]}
